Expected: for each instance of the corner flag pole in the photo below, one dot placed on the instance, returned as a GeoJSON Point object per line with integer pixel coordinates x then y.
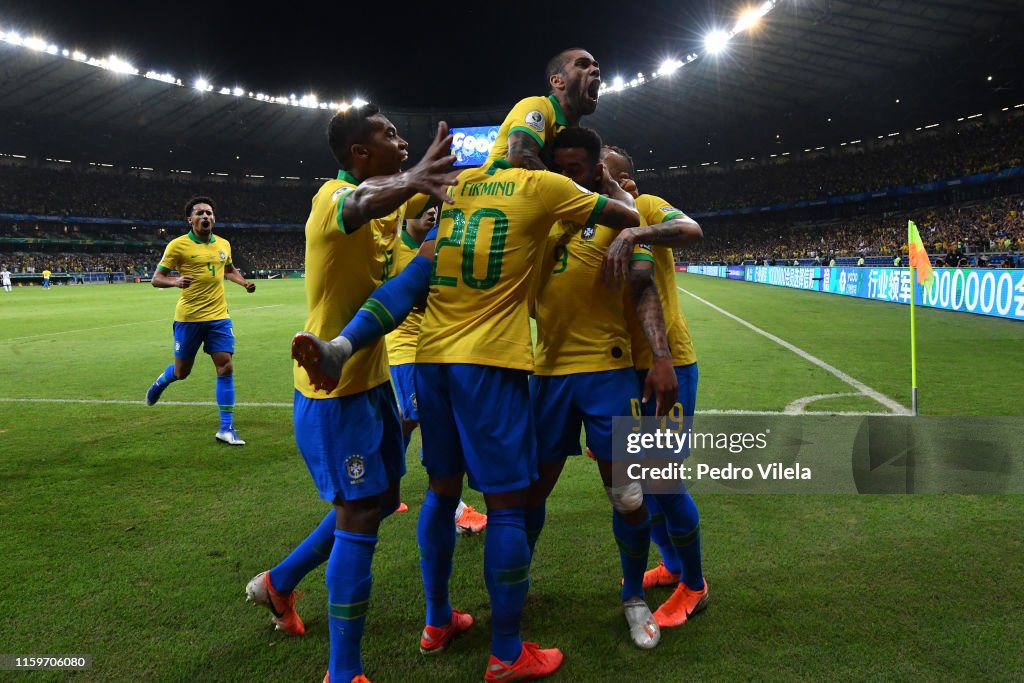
{"type": "Point", "coordinates": [913, 347]}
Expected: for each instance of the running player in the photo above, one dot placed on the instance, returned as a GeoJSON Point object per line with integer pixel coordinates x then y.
{"type": "Point", "coordinates": [203, 262]}
{"type": "Point", "coordinates": [676, 521]}
{"type": "Point", "coordinates": [351, 438]}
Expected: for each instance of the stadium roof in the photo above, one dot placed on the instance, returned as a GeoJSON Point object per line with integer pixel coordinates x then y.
{"type": "Point", "coordinates": [816, 72]}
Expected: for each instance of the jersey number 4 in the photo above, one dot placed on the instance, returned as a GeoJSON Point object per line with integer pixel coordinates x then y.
{"type": "Point", "coordinates": [464, 235]}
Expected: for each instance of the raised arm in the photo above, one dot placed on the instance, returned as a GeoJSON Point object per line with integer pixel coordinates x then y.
{"type": "Point", "coordinates": [233, 274]}
{"type": "Point", "coordinates": [379, 196]}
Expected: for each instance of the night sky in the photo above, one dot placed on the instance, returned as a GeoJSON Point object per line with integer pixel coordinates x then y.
{"type": "Point", "coordinates": [436, 55]}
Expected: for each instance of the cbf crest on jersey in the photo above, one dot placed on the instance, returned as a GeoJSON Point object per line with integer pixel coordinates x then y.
{"type": "Point", "coordinates": [588, 232]}
{"type": "Point", "coordinates": [535, 120]}
{"type": "Point", "coordinates": [355, 467]}
{"type": "Point", "coordinates": [339, 192]}
{"type": "Point", "coordinates": [223, 256]}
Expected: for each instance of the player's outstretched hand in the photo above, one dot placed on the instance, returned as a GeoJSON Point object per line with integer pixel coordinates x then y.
{"type": "Point", "coordinates": [184, 281]}
{"type": "Point", "coordinates": [433, 173]}
{"type": "Point", "coordinates": [663, 383]}
{"type": "Point", "coordinates": [250, 286]}
{"type": "Point", "coordinates": [615, 267]}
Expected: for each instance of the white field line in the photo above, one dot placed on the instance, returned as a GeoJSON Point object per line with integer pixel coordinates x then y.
{"type": "Point", "coordinates": [799, 406]}
{"type": "Point", "coordinates": [121, 402]}
{"type": "Point", "coordinates": [895, 407]}
{"type": "Point", "coordinates": [110, 327]}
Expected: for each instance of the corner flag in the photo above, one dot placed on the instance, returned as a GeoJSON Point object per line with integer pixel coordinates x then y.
{"type": "Point", "coordinates": [919, 260]}
{"type": "Point", "coordinates": [925, 277]}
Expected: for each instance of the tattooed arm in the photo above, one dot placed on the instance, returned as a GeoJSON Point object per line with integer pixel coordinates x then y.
{"type": "Point", "coordinates": [661, 378]}
{"type": "Point", "coordinates": [524, 152]}
{"type": "Point", "coordinates": [678, 232]}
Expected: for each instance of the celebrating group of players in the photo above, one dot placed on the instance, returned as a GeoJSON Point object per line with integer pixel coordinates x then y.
{"type": "Point", "coordinates": [579, 250]}
{"type": "Point", "coordinates": [513, 241]}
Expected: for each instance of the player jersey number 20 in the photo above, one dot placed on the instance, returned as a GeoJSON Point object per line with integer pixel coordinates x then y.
{"type": "Point", "coordinates": [464, 234]}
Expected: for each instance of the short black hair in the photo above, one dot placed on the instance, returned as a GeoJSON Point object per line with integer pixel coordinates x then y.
{"type": "Point", "coordinates": [347, 128]}
{"type": "Point", "coordinates": [556, 64]}
{"type": "Point", "coordinates": [578, 136]}
{"type": "Point", "coordinates": [625, 155]}
{"type": "Point", "coordinates": [190, 204]}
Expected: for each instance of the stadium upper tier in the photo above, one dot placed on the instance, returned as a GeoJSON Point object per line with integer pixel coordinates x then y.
{"type": "Point", "coordinates": [63, 190]}
{"type": "Point", "coordinates": [814, 73]}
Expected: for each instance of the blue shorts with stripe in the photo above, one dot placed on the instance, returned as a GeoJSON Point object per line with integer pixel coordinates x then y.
{"type": "Point", "coordinates": [476, 419]}
{"type": "Point", "coordinates": [352, 445]}
{"type": "Point", "coordinates": [405, 390]}
{"type": "Point", "coordinates": [564, 404]}
{"type": "Point", "coordinates": [214, 335]}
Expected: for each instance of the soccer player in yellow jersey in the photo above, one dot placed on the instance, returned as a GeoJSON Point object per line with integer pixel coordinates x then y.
{"type": "Point", "coordinates": [46, 279]}
{"type": "Point", "coordinates": [401, 344]}
{"type": "Point", "coordinates": [203, 262]}
{"type": "Point", "coordinates": [351, 437]}
{"type": "Point", "coordinates": [583, 373]}
{"type": "Point", "coordinates": [472, 364]}
{"type": "Point", "coordinates": [675, 519]}
{"type": "Point", "coordinates": [575, 80]}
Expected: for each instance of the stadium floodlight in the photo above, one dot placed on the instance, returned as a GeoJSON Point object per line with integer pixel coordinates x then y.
{"type": "Point", "coordinates": [202, 84]}
{"type": "Point", "coordinates": [716, 41]}
{"type": "Point", "coordinates": [359, 102]}
{"type": "Point", "coordinates": [118, 65]}
{"type": "Point", "coordinates": [618, 83]}
{"type": "Point", "coordinates": [225, 91]}
{"type": "Point", "coordinates": [237, 91]}
{"type": "Point", "coordinates": [13, 38]}
{"type": "Point", "coordinates": [78, 56]}
{"type": "Point", "coordinates": [751, 16]}
{"type": "Point", "coordinates": [65, 53]}
{"type": "Point", "coordinates": [669, 66]}
{"type": "Point", "coordinates": [35, 43]}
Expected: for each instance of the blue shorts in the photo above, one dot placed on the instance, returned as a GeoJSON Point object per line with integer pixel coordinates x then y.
{"type": "Point", "coordinates": [564, 404]}
{"type": "Point", "coordinates": [352, 445]}
{"type": "Point", "coordinates": [687, 402]}
{"type": "Point", "coordinates": [476, 419]}
{"type": "Point", "coordinates": [214, 335]}
{"type": "Point", "coordinates": [405, 390]}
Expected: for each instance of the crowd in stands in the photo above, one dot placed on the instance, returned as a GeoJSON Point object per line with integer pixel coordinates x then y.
{"type": "Point", "coordinates": [68, 192]}
{"type": "Point", "coordinates": [953, 154]}
{"type": "Point", "coordinates": [994, 226]}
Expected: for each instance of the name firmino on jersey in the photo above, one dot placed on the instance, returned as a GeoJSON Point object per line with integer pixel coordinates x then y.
{"type": "Point", "coordinates": [491, 189]}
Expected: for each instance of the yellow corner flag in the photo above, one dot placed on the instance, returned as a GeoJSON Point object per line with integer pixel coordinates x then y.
{"type": "Point", "coordinates": [919, 260]}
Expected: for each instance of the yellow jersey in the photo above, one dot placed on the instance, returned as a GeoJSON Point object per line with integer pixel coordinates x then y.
{"type": "Point", "coordinates": [654, 210]}
{"type": "Point", "coordinates": [487, 247]}
{"type": "Point", "coordinates": [46, 274]}
{"type": "Point", "coordinates": [541, 118]}
{"type": "Point", "coordinates": [344, 264]}
{"type": "Point", "coordinates": [581, 326]}
{"type": "Point", "coordinates": [401, 342]}
{"type": "Point", "coordinates": [204, 299]}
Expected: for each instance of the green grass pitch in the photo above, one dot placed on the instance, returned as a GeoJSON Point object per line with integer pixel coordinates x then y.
{"type": "Point", "coordinates": [129, 533]}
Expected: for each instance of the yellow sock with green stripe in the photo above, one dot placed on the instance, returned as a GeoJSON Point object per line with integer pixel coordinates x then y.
{"type": "Point", "coordinates": [348, 597]}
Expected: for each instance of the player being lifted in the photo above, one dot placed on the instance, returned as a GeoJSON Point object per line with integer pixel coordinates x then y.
{"type": "Point", "coordinates": [575, 80]}
{"type": "Point", "coordinates": [401, 345]}
{"type": "Point", "coordinates": [675, 521]}
{"type": "Point", "coordinates": [472, 363]}
{"type": "Point", "coordinates": [203, 262]}
{"type": "Point", "coordinates": [351, 438]}
{"type": "Point", "coordinates": [584, 371]}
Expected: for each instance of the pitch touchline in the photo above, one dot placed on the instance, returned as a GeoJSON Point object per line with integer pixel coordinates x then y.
{"type": "Point", "coordinates": [122, 402]}
{"type": "Point", "coordinates": [109, 327]}
{"type": "Point", "coordinates": [855, 383]}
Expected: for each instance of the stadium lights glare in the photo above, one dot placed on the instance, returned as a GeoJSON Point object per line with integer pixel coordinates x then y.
{"type": "Point", "coordinates": [716, 41]}
{"type": "Point", "coordinates": [359, 102]}
{"type": "Point", "coordinates": [974, 116]}
{"type": "Point", "coordinates": [750, 17]}
{"type": "Point", "coordinates": [669, 66]}
{"type": "Point", "coordinates": [237, 91]}
{"type": "Point", "coordinates": [201, 84]}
